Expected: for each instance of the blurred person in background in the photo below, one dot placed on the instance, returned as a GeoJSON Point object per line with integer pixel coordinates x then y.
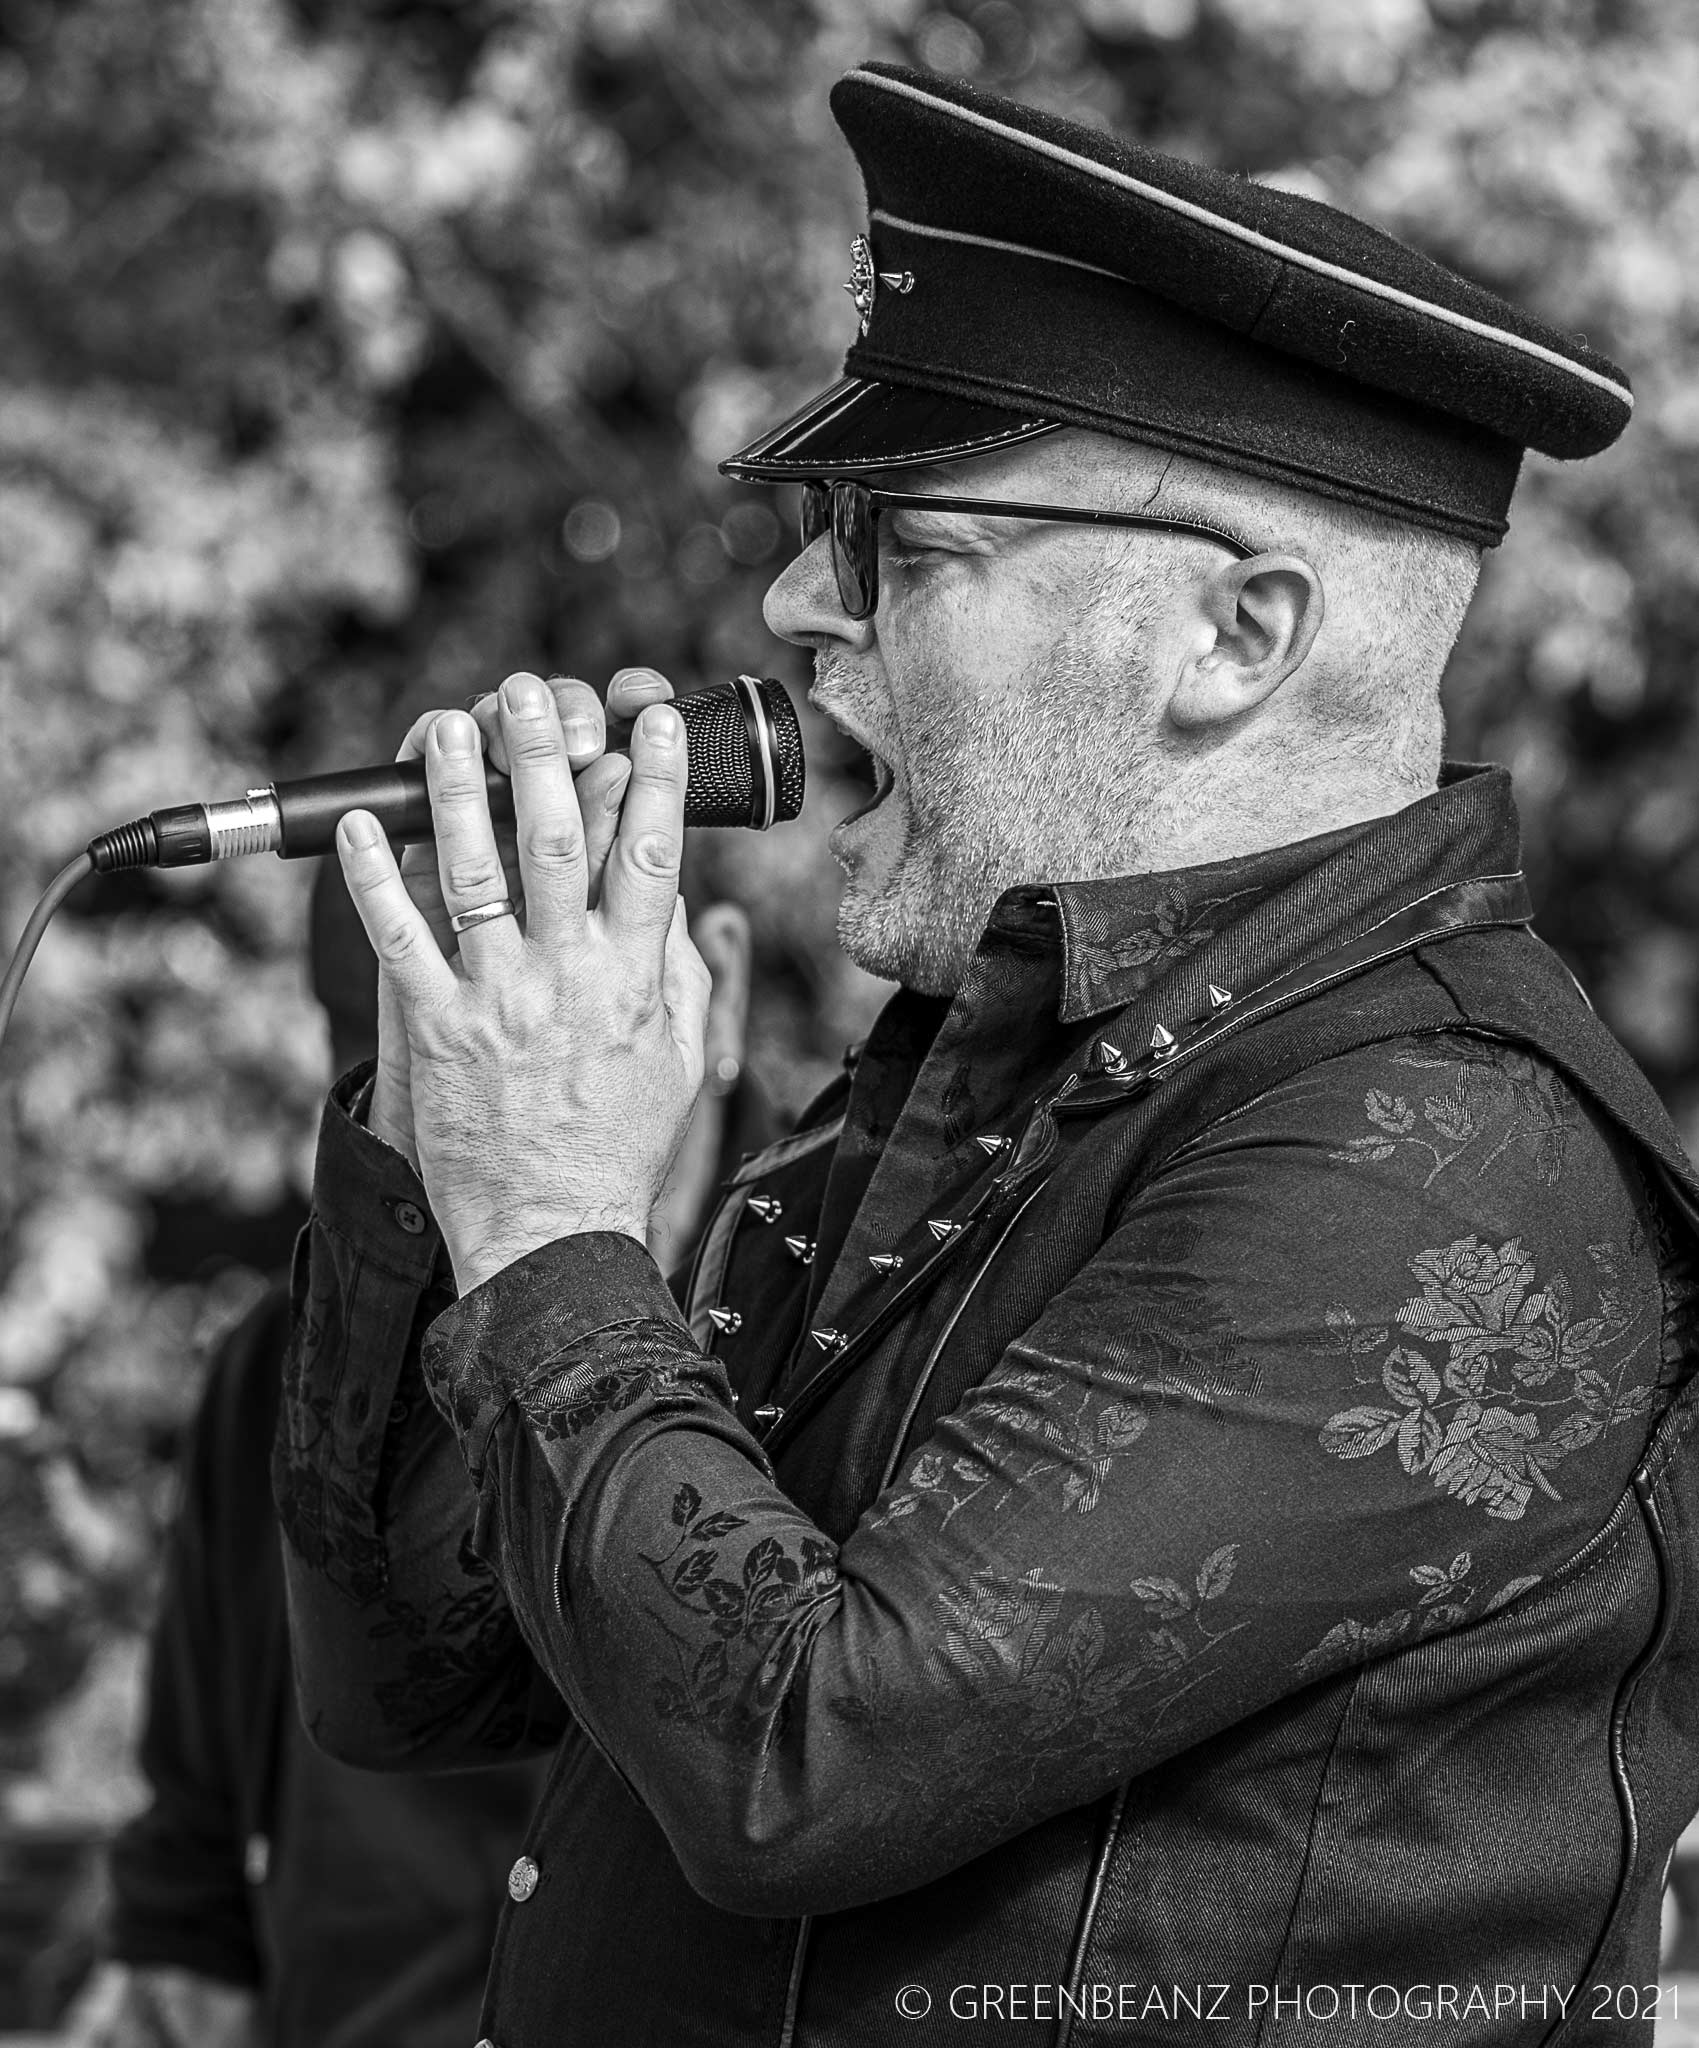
{"type": "Point", "coordinates": [270, 1897]}
{"type": "Point", "coordinates": [1176, 1477]}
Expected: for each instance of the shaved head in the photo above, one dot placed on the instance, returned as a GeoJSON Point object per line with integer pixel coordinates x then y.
{"type": "Point", "coordinates": [1395, 594]}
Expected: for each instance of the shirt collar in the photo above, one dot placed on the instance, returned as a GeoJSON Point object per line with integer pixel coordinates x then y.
{"type": "Point", "coordinates": [1121, 934]}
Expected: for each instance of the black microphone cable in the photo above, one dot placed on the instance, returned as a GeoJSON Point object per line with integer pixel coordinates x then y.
{"type": "Point", "coordinates": [39, 918]}
{"type": "Point", "coordinates": [745, 768]}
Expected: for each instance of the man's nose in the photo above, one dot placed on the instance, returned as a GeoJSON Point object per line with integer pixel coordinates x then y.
{"type": "Point", "coordinates": [803, 605]}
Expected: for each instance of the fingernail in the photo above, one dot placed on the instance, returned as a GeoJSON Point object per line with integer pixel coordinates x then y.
{"type": "Point", "coordinates": [525, 697]}
{"type": "Point", "coordinates": [662, 725]}
{"type": "Point", "coordinates": [360, 829]}
{"type": "Point", "coordinates": [580, 733]}
{"type": "Point", "coordinates": [456, 733]}
{"type": "Point", "coordinates": [640, 686]}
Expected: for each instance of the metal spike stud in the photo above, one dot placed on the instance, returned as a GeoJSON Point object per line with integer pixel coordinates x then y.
{"type": "Point", "coordinates": [1219, 999]}
{"type": "Point", "coordinates": [1110, 1059]}
{"type": "Point", "coordinates": [767, 1414]}
{"type": "Point", "coordinates": [726, 1320]}
{"type": "Point", "coordinates": [768, 1207]}
{"type": "Point", "coordinates": [828, 1340]}
{"type": "Point", "coordinates": [801, 1249]}
{"type": "Point", "coordinates": [992, 1146]}
{"type": "Point", "coordinates": [1163, 1044]}
{"type": "Point", "coordinates": [885, 1263]}
{"type": "Point", "coordinates": [942, 1228]}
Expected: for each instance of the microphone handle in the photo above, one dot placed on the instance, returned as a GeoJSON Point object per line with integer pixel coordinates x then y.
{"type": "Point", "coordinates": [308, 811]}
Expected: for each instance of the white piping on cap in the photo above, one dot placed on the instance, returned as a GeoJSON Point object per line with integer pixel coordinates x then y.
{"type": "Point", "coordinates": [1174, 204]}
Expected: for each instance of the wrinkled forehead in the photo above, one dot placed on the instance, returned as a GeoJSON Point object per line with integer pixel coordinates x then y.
{"type": "Point", "coordinates": [1032, 469]}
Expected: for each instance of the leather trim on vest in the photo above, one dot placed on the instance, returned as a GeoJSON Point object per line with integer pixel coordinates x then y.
{"type": "Point", "coordinates": [1093, 1899]}
{"type": "Point", "coordinates": [1621, 1708]}
{"type": "Point", "coordinates": [1479, 904]}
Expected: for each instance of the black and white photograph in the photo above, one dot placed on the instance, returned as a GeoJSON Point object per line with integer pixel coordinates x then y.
{"type": "Point", "coordinates": [849, 1023]}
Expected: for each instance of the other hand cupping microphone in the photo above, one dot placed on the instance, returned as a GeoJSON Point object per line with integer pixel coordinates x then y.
{"type": "Point", "coordinates": [745, 768]}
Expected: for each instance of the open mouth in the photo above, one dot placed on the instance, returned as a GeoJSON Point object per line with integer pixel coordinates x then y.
{"type": "Point", "coordinates": [859, 762]}
{"type": "Point", "coordinates": [874, 774]}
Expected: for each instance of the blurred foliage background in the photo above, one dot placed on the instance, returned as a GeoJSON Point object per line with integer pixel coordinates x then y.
{"type": "Point", "coordinates": [356, 352]}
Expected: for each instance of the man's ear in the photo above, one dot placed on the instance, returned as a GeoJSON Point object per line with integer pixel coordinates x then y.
{"type": "Point", "coordinates": [722, 936]}
{"type": "Point", "coordinates": [1257, 623]}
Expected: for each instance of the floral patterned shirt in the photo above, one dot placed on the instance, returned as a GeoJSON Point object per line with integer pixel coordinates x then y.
{"type": "Point", "coordinates": [1359, 1366]}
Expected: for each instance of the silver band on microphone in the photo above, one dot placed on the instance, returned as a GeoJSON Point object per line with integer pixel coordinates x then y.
{"type": "Point", "coordinates": [763, 746]}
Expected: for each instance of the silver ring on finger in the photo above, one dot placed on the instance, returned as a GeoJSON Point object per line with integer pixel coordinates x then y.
{"type": "Point", "coordinates": [481, 913]}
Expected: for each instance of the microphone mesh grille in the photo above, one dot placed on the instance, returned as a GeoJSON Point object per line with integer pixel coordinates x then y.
{"type": "Point", "coordinates": [723, 781]}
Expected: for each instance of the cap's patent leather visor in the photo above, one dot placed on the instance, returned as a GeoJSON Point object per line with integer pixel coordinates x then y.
{"type": "Point", "coordinates": [861, 424]}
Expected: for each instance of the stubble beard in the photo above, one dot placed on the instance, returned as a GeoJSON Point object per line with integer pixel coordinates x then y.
{"type": "Point", "coordinates": [1059, 784]}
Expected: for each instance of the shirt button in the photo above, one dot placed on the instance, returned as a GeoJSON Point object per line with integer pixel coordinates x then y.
{"type": "Point", "coordinates": [522, 1880]}
{"type": "Point", "coordinates": [411, 1218]}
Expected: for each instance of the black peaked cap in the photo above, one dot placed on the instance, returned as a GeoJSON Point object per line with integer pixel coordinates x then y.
{"type": "Point", "coordinates": [1022, 271]}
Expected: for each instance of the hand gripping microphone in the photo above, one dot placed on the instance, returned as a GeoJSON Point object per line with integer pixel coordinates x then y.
{"type": "Point", "coordinates": [745, 768]}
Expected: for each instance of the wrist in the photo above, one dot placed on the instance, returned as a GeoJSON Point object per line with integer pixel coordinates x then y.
{"type": "Point", "coordinates": [380, 1118]}
{"type": "Point", "coordinates": [478, 1263]}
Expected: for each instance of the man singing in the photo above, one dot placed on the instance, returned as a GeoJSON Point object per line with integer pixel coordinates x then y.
{"type": "Point", "coordinates": [1168, 1498]}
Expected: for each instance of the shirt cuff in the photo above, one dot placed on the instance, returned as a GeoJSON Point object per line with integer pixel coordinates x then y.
{"type": "Point", "coordinates": [512, 1330]}
{"type": "Point", "coordinates": [368, 1193]}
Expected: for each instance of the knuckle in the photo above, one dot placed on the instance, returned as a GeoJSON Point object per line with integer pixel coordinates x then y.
{"type": "Point", "coordinates": [635, 1000]}
{"type": "Point", "coordinates": [553, 843]}
{"type": "Point", "coordinates": [538, 743]}
{"type": "Point", "coordinates": [655, 853]}
{"type": "Point", "coordinates": [398, 938]}
{"type": "Point", "coordinates": [660, 767]}
{"type": "Point", "coordinates": [474, 874]}
{"type": "Point", "coordinates": [459, 787]}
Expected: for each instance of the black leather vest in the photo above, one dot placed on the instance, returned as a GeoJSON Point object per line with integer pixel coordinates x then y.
{"type": "Point", "coordinates": [1210, 1869]}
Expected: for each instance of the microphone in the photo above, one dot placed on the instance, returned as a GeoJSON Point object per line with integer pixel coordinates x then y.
{"type": "Point", "coordinates": [746, 768]}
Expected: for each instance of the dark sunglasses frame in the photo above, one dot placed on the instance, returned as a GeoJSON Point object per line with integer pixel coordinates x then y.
{"type": "Point", "coordinates": [849, 510]}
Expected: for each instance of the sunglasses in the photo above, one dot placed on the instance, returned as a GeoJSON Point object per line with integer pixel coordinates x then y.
{"type": "Point", "coordinates": [849, 512]}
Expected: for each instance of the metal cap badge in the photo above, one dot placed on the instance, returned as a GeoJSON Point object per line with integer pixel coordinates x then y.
{"type": "Point", "coordinates": [864, 280]}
